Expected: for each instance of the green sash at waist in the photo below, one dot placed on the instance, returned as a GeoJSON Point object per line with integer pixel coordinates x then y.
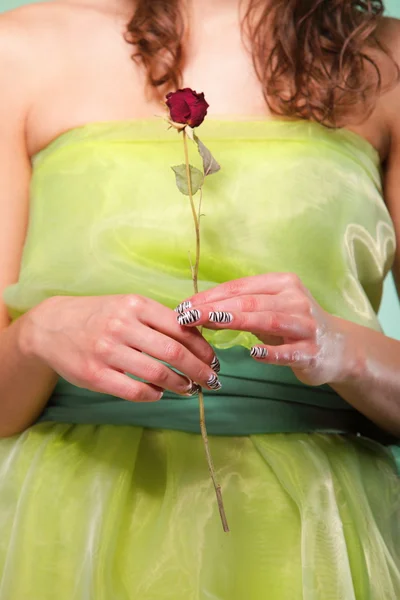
{"type": "Point", "coordinates": [255, 398]}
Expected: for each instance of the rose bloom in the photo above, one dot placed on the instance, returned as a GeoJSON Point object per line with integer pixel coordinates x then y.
{"type": "Point", "coordinates": [187, 107]}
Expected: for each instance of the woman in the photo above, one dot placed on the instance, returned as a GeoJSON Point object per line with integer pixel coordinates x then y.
{"type": "Point", "coordinates": [108, 495]}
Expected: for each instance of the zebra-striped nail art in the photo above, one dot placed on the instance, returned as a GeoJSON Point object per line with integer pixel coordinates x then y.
{"type": "Point", "coordinates": [214, 383]}
{"type": "Point", "coordinates": [183, 306]}
{"type": "Point", "coordinates": [220, 317]}
{"type": "Point", "coordinates": [189, 317]}
{"type": "Point", "coordinates": [257, 352]}
{"type": "Point", "coordinates": [215, 364]}
{"type": "Point", "coordinates": [193, 390]}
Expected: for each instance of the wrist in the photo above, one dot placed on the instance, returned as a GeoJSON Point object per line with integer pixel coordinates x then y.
{"type": "Point", "coordinates": [353, 362]}
{"type": "Point", "coordinates": [28, 334]}
{"type": "Point", "coordinates": [25, 336]}
{"type": "Point", "coordinates": [28, 344]}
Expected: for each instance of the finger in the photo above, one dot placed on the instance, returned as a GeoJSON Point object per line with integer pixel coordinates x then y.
{"type": "Point", "coordinates": [291, 355]}
{"type": "Point", "coordinates": [283, 302]}
{"type": "Point", "coordinates": [141, 365]}
{"type": "Point", "coordinates": [270, 283]}
{"type": "Point", "coordinates": [122, 386]}
{"type": "Point", "coordinates": [260, 323]}
{"type": "Point", "coordinates": [163, 319]}
{"type": "Point", "coordinates": [172, 352]}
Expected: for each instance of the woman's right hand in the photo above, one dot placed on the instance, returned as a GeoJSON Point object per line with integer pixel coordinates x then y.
{"type": "Point", "coordinates": [93, 341]}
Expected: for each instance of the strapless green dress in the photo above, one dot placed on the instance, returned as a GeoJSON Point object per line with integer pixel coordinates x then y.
{"type": "Point", "coordinates": [104, 499]}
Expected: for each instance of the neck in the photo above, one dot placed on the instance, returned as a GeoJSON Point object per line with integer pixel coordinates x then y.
{"type": "Point", "coordinates": [123, 8]}
{"type": "Point", "coordinates": [213, 9]}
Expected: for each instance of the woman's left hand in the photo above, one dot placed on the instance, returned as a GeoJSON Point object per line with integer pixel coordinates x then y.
{"type": "Point", "coordinates": [282, 313]}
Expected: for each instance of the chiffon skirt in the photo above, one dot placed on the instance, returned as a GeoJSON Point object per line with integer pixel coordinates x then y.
{"type": "Point", "coordinates": [127, 513]}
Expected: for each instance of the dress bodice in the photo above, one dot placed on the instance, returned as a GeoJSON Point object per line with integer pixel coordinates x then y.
{"type": "Point", "coordinates": [106, 216]}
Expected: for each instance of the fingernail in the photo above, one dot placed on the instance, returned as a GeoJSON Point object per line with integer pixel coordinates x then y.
{"type": "Point", "coordinates": [183, 306]}
{"type": "Point", "coordinates": [257, 352]}
{"type": "Point", "coordinates": [194, 389]}
{"type": "Point", "coordinates": [220, 317]}
{"type": "Point", "coordinates": [214, 383]}
{"type": "Point", "coordinates": [160, 396]}
{"type": "Point", "coordinates": [189, 317]}
{"type": "Point", "coordinates": [215, 364]}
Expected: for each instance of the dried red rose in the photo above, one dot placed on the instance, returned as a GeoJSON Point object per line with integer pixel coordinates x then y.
{"type": "Point", "coordinates": [187, 107]}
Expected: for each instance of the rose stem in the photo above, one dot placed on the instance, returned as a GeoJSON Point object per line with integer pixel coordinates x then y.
{"type": "Point", "coordinates": [195, 273]}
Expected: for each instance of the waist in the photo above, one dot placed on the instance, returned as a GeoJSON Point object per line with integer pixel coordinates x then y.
{"type": "Point", "coordinates": [255, 398]}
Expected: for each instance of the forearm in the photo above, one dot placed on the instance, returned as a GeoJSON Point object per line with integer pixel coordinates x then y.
{"type": "Point", "coordinates": [26, 382]}
{"type": "Point", "coordinates": [371, 381]}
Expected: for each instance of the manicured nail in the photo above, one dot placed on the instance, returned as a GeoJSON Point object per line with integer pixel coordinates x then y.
{"type": "Point", "coordinates": [183, 306]}
{"type": "Point", "coordinates": [257, 352]}
{"type": "Point", "coordinates": [215, 365]}
{"type": "Point", "coordinates": [214, 383]}
{"type": "Point", "coordinates": [189, 317]}
{"type": "Point", "coordinates": [220, 317]}
{"type": "Point", "coordinates": [193, 389]}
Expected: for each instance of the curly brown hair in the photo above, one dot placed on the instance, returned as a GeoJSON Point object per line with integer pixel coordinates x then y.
{"type": "Point", "coordinates": [319, 65]}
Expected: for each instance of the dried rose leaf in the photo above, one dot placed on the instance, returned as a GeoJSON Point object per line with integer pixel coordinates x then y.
{"type": "Point", "coordinates": [196, 177]}
{"type": "Point", "coordinates": [210, 165]}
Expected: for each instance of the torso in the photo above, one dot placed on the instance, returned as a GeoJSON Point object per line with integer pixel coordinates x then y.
{"type": "Point", "coordinates": [85, 73]}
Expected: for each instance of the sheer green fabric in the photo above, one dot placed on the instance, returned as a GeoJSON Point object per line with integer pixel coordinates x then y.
{"type": "Point", "coordinates": [106, 216]}
{"type": "Point", "coordinates": [101, 512]}
{"type": "Point", "coordinates": [108, 512]}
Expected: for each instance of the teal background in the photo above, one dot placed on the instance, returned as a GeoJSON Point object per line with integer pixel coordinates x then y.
{"type": "Point", "coordinates": [393, 7]}
{"type": "Point", "coordinates": [390, 309]}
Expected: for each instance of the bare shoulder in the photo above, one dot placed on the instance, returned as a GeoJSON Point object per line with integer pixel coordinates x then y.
{"type": "Point", "coordinates": [18, 62]}
{"type": "Point", "coordinates": [25, 35]}
{"type": "Point", "coordinates": [25, 23]}
{"type": "Point", "coordinates": [15, 33]}
{"type": "Point", "coordinates": [41, 16]}
{"type": "Point", "coordinates": [43, 23]}
{"type": "Point", "coordinates": [388, 35]}
{"type": "Point", "coordinates": [43, 46]}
